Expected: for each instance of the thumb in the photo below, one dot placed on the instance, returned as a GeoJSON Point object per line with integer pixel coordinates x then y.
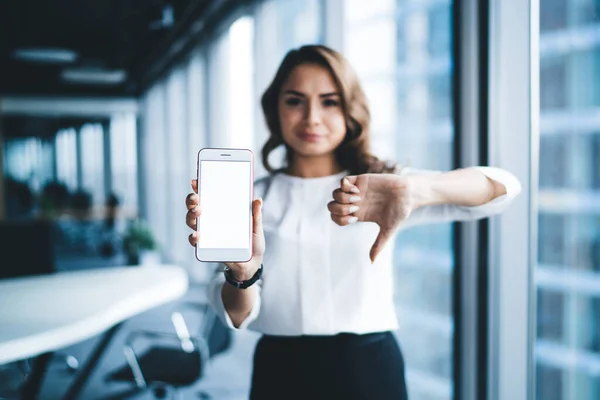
{"type": "Point", "coordinates": [349, 184]}
{"type": "Point", "coordinates": [257, 227]}
{"type": "Point", "coordinates": [382, 239]}
{"type": "Point", "coordinates": [352, 179]}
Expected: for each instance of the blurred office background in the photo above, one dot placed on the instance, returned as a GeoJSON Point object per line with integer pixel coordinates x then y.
{"type": "Point", "coordinates": [100, 136]}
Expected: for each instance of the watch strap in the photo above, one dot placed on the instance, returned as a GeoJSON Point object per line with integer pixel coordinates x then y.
{"type": "Point", "coordinates": [242, 284]}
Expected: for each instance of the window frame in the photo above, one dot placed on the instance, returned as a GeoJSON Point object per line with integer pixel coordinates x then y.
{"type": "Point", "coordinates": [513, 145]}
{"type": "Point", "coordinates": [471, 240]}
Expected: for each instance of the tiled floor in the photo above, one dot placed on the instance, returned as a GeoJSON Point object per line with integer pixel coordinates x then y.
{"type": "Point", "coordinates": [227, 376]}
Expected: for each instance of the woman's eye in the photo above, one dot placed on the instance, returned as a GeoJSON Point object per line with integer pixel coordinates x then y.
{"type": "Point", "coordinates": [292, 101]}
{"type": "Point", "coordinates": [331, 103]}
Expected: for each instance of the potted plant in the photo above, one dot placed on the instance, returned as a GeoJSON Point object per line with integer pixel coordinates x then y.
{"type": "Point", "coordinates": [54, 199]}
{"type": "Point", "coordinates": [139, 244]}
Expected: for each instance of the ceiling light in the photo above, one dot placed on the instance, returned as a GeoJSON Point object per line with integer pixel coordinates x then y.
{"type": "Point", "coordinates": [45, 55]}
{"type": "Point", "coordinates": [94, 76]}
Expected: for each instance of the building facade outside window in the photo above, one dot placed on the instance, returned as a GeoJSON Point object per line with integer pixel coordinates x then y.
{"type": "Point", "coordinates": [568, 271]}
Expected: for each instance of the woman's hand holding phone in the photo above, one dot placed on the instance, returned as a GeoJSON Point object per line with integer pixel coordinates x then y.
{"type": "Point", "coordinates": [240, 271]}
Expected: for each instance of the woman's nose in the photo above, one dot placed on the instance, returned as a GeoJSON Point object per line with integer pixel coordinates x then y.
{"type": "Point", "coordinates": [313, 114]}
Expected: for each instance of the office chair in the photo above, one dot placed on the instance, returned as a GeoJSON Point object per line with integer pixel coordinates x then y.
{"type": "Point", "coordinates": [173, 361]}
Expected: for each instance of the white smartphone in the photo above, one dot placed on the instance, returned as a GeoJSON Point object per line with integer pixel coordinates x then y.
{"type": "Point", "coordinates": [225, 191]}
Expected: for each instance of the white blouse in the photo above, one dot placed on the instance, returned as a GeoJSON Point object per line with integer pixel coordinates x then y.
{"type": "Point", "coordinates": [317, 276]}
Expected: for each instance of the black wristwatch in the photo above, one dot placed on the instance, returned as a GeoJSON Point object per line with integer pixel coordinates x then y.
{"type": "Point", "coordinates": [242, 284]}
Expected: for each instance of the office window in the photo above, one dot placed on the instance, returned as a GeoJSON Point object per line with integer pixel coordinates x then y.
{"type": "Point", "coordinates": [66, 157]}
{"type": "Point", "coordinates": [401, 51]}
{"type": "Point", "coordinates": [554, 167]}
{"type": "Point", "coordinates": [567, 277]}
{"type": "Point", "coordinates": [92, 165]}
{"type": "Point", "coordinates": [28, 160]}
{"type": "Point", "coordinates": [241, 76]}
{"type": "Point", "coordinates": [300, 17]}
{"type": "Point", "coordinates": [552, 232]}
{"type": "Point", "coordinates": [550, 315]}
{"type": "Point", "coordinates": [549, 383]}
{"type": "Point", "coordinates": [154, 175]}
{"type": "Point", "coordinates": [424, 258]}
{"type": "Point", "coordinates": [231, 75]}
{"type": "Point", "coordinates": [196, 105]}
{"type": "Point", "coordinates": [123, 159]}
{"type": "Point", "coordinates": [553, 14]}
{"type": "Point", "coordinates": [376, 67]}
{"type": "Point", "coordinates": [553, 79]}
{"type": "Point", "coordinates": [173, 130]}
{"type": "Point", "coordinates": [178, 171]}
{"type": "Point", "coordinates": [594, 315]}
{"type": "Point", "coordinates": [584, 65]}
{"type": "Point", "coordinates": [281, 25]}
{"type": "Point", "coordinates": [439, 23]}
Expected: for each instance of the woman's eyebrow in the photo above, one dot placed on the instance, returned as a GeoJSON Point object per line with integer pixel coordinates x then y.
{"type": "Point", "coordinates": [297, 93]}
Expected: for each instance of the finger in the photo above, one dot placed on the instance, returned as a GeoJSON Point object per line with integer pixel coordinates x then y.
{"type": "Point", "coordinates": [195, 185]}
{"type": "Point", "coordinates": [193, 238]}
{"type": "Point", "coordinates": [348, 186]}
{"type": "Point", "coordinates": [382, 238]}
{"type": "Point", "coordinates": [230, 265]}
{"type": "Point", "coordinates": [191, 201]}
{"type": "Point", "coordinates": [342, 209]}
{"type": "Point", "coordinates": [191, 218]}
{"type": "Point", "coordinates": [257, 227]}
{"type": "Point", "coordinates": [343, 220]}
{"type": "Point", "coordinates": [345, 198]}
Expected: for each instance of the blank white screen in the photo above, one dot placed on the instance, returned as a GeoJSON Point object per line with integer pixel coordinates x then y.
{"type": "Point", "coordinates": [225, 204]}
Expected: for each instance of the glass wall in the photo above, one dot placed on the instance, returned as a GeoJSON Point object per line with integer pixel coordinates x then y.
{"type": "Point", "coordinates": [66, 157]}
{"type": "Point", "coordinates": [123, 162]}
{"type": "Point", "coordinates": [402, 53]}
{"type": "Point", "coordinates": [78, 172]}
{"type": "Point", "coordinates": [567, 349]}
{"type": "Point", "coordinates": [91, 150]}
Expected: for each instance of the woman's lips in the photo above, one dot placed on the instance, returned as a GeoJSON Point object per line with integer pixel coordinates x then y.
{"type": "Point", "coordinates": [310, 137]}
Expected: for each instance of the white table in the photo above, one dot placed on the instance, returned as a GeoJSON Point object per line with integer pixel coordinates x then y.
{"type": "Point", "coordinates": [40, 314]}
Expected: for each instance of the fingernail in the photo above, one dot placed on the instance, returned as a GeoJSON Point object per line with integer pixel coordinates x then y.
{"type": "Point", "coordinates": [354, 199]}
{"type": "Point", "coordinates": [195, 209]}
{"type": "Point", "coordinates": [354, 189]}
{"type": "Point", "coordinates": [194, 234]}
{"type": "Point", "coordinates": [353, 209]}
{"type": "Point", "coordinates": [352, 220]}
{"type": "Point", "coordinates": [346, 181]}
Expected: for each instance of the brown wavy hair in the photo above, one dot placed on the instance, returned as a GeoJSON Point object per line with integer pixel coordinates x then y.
{"type": "Point", "coordinates": [353, 154]}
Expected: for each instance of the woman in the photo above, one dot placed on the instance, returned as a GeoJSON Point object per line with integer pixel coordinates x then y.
{"type": "Point", "coordinates": [325, 300]}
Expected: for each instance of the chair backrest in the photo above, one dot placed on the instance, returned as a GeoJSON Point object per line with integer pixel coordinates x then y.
{"type": "Point", "coordinates": [26, 248]}
{"type": "Point", "coordinates": [207, 325]}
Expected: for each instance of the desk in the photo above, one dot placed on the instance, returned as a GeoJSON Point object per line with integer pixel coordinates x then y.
{"type": "Point", "coordinates": [40, 314]}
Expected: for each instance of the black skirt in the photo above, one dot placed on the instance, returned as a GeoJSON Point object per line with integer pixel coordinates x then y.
{"type": "Point", "coordinates": [344, 366]}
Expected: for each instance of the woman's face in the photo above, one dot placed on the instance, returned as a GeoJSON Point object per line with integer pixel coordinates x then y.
{"type": "Point", "coordinates": [310, 111]}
